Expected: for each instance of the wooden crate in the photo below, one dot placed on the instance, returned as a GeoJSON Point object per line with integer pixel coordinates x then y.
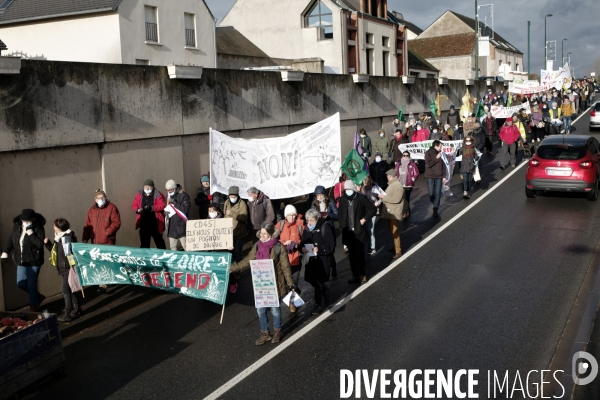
{"type": "Point", "coordinates": [29, 354]}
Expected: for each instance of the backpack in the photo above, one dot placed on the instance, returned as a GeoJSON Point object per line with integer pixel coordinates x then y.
{"type": "Point", "coordinates": [282, 224]}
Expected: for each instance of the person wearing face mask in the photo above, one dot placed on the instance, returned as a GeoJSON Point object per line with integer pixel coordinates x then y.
{"type": "Point", "coordinates": [378, 169]}
{"type": "Point", "coordinates": [236, 209]}
{"type": "Point", "coordinates": [435, 133]}
{"type": "Point", "coordinates": [393, 204]}
{"type": "Point", "coordinates": [381, 145]}
{"type": "Point", "coordinates": [260, 209]}
{"type": "Point", "coordinates": [320, 235]}
{"type": "Point", "coordinates": [435, 172]}
{"type": "Point", "coordinates": [101, 224]}
{"type": "Point", "coordinates": [179, 200]}
{"type": "Point", "coordinates": [537, 124]}
{"type": "Point", "coordinates": [322, 203]}
{"type": "Point", "coordinates": [468, 163]}
{"type": "Point", "coordinates": [407, 173]}
{"type": "Point", "coordinates": [149, 205]}
{"type": "Point", "coordinates": [398, 139]}
{"type": "Point", "coordinates": [269, 247]}
{"type": "Point", "coordinates": [371, 191]}
{"type": "Point", "coordinates": [365, 143]}
{"type": "Point", "coordinates": [203, 196]}
{"type": "Point", "coordinates": [421, 134]}
{"type": "Point", "coordinates": [555, 114]}
{"type": "Point", "coordinates": [509, 136]}
{"type": "Point", "coordinates": [214, 211]}
{"type": "Point", "coordinates": [354, 212]}
{"type": "Point", "coordinates": [290, 234]}
{"type": "Point", "coordinates": [567, 113]}
{"type": "Point", "coordinates": [26, 240]}
{"type": "Point", "coordinates": [490, 128]}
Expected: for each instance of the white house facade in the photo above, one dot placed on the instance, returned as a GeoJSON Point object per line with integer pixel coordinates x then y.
{"type": "Point", "coordinates": [152, 32]}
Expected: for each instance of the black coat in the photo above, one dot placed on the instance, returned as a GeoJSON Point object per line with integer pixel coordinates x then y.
{"type": "Point", "coordinates": [62, 263]}
{"type": "Point", "coordinates": [176, 224]}
{"type": "Point", "coordinates": [202, 202]}
{"type": "Point", "coordinates": [32, 253]}
{"type": "Point", "coordinates": [479, 135]}
{"type": "Point", "coordinates": [378, 170]}
{"type": "Point", "coordinates": [323, 237]}
{"type": "Point", "coordinates": [362, 209]}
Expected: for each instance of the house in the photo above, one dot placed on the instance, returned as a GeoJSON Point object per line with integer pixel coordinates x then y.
{"type": "Point", "coordinates": [420, 68]}
{"type": "Point", "coordinates": [154, 32]}
{"type": "Point", "coordinates": [412, 31]}
{"type": "Point", "coordinates": [351, 36]}
{"type": "Point", "coordinates": [449, 45]}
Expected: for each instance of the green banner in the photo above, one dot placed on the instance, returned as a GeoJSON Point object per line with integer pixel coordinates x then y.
{"type": "Point", "coordinates": [201, 275]}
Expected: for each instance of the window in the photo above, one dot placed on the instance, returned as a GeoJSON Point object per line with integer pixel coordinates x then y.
{"type": "Point", "coordinates": [386, 63]}
{"type": "Point", "coordinates": [142, 62]}
{"type": "Point", "coordinates": [5, 4]}
{"type": "Point", "coordinates": [320, 17]}
{"type": "Point", "coordinates": [499, 63]}
{"type": "Point", "coordinates": [370, 39]}
{"type": "Point", "coordinates": [190, 29]}
{"type": "Point", "coordinates": [430, 76]}
{"type": "Point", "coordinates": [151, 24]}
{"type": "Point", "coordinates": [516, 67]}
{"type": "Point", "coordinates": [385, 42]}
{"type": "Point", "coordinates": [370, 61]}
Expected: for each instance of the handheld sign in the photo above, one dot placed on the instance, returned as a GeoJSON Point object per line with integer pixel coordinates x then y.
{"type": "Point", "coordinates": [264, 283]}
{"type": "Point", "coordinates": [209, 234]}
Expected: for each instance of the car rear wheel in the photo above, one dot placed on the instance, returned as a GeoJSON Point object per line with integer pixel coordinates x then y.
{"type": "Point", "coordinates": [529, 193]}
{"type": "Point", "coordinates": [593, 195]}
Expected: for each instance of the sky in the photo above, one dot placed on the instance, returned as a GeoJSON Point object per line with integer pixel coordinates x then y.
{"type": "Point", "coordinates": [574, 20]}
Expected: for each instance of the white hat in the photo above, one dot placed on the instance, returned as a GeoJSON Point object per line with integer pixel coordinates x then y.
{"type": "Point", "coordinates": [171, 184]}
{"type": "Point", "coordinates": [349, 185]}
{"type": "Point", "coordinates": [289, 210]}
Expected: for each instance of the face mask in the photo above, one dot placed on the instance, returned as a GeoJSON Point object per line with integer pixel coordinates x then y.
{"type": "Point", "coordinates": [349, 192]}
{"type": "Point", "coordinates": [554, 107]}
{"type": "Point", "coordinates": [435, 131]}
{"type": "Point", "coordinates": [251, 199]}
{"type": "Point", "coordinates": [100, 202]}
{"type": "Point", "coordinates": [381, 134]}
{"type": "Point", "coordinates": [468, 143]}
{"type": "Point", "coordinates": [233, 200]}
{"type": "Point", "coordinates": [213, 215]}
{"type": "Point", "coordinates": [311, 227]}
{"type": "Point", "coordinates": [363, 136]}
{"type": "Point", "coordinates": [26, 224]}
{"type": "Point", "coordinates": [171, 194]}
{"type": "Point", "coordinates": [148, 191]}
{"type": "Point", "coordinates": [419, 128]}
{"type": "Point", "coordinates": [377, 159]}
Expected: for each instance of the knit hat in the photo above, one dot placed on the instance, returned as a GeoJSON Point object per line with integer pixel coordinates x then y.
{"type": "Point", "coordinates": [149, 182]}
{"type": "Point", "coordinates": [319, 190]}
{"type": "Point", "coordinates": [391, 172]}
{"type": "Point", "coordinates": [452, 107]}
{"type": "Point", "coordinates": [204, 178]}
{"type": "Point", "coordinates": [234, 190]}
{"type": "Point", "coordinates": [99, 192]}
{"type": "Point", "coordinates": [171, 184]}
{"type": "Point", "coordinates": [349, 185]}
{"type": "Point", "coordinates": [289, 210]}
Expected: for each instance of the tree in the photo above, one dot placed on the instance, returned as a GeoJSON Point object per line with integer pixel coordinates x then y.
{"type": "Point", "coordinates": [534, 77]}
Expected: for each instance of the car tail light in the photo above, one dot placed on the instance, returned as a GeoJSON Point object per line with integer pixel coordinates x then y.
{"type": "Point", "coordinates": [533, 162]}
{"type": "Point", "coordinates": [593, 113]}
{"type": "Point", "coordinates": [586, 164]}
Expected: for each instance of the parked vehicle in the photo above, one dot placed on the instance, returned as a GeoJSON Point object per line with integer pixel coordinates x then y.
{"type": "Point", "coordinates": [595, 116]}
{"type": "Point", "coordinates": [565, 163]}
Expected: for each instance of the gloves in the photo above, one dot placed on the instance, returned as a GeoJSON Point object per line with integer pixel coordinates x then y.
{"type": "Point", "coordinates": [147, 208]}
{"type": "Point", "coordinates": [4, 255]}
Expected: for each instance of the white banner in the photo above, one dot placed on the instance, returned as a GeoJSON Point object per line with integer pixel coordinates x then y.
{"type": "Point", "coordinates": [417, 149]}
{"type": "Point", "coordinates": [507, 112]}
{"type": "Point", "coordinates": [484, 46]}
{"type": "Point", "coordinates": [526, 89]}
{"type": "Point", "coordinates": [558, 78]}
{"type": "Point", "coordinates": [281, 167]}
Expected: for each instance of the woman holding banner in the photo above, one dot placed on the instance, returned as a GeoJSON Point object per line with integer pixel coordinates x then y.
{"type": "Point", "coordinates": [269, 248]}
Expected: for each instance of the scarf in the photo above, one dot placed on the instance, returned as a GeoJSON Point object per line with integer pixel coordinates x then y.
{"type": "Point", "coordinates": [322, 206]}
{"type": "Point", "coordinates": [403, 170]}
{"type": "Point", "coordinates": [468, 151]}
{"type": "Point", "coordinates": [263, 249]}
{"type": "Point", "coordinates": [59, 235]}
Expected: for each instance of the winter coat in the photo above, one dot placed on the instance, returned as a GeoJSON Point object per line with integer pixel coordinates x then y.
{"type": "Point", "coordinates": [458, 134]}
{"type": "Point", "coordinates": [101, 224]}
{"type": "Point", "coordinates": [509, 134]}
{"type": "Point", "coordinates": [377, 171]}
{"type": "Point", "coordinates": [453, 119]}
{"type": "Point", "coordinates": [157, 209]}
{"type": "Point", "coordinates": [520, 125]}
{"type": "Point", "coordinates": [382, 145]}
{"type": "Point", "coordinates": [479, 136]}
{"type": "Point", "coordinates": [467, 164]}
{"type": "Point", "coordinates": [434, 167]}
{"type": "Point", "coordinates": [322, 237]}
{"type": "Point", "coordinates": [176, 226]}
{"type": "Point", "coordinates": [292, 232]}
{"type": "Point", "coordinates": [332, 210]}
{"type": "Point", "coordinates": [365, 143]}
{"type": "Point", "coordinates": [420, 135]}
{"type": "Point", "coordinates": [362, 208]}
{"type": "Point", "coordinates": [32, 253]}
{"type": "Point", "coordinates": [63, 249]}
{"type": "Point", "coordinates": [567, 110]}
{"type": "Point", "coordinates": [489, 126]}
{"type": "Point", "coordinates": [281, 263]}
{"type": "Point", "coordinates": [203, 200]}
{"type": "Point", "coordinates": [412, 176]}
{"type": "Point", "coordinates": [394, 127]}
{"type": "Point", "coordinates": [239, 214]}
{"type": "Point", "coordinates": [536, 118]}
{"type": "Point", "coordinates": [396, 152]}
{"type": "Point", "coordinates": [393, 201]}
{"type": "Point", "coordinates": [261, 211]}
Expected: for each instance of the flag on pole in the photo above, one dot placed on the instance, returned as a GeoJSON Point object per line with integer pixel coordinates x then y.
{"type": "Point", "coordinates": [353, 167]}
{"type": "Point", "coordinates": [401, 114]}
{"type": "Point", "coordinates": [509, 99]}
{"type": "Point", "coordinates": [433, 109]}
{"type": "Point", "coordinates": [480, 111]}
{"type": "Point", "coordinates": [357, 145]}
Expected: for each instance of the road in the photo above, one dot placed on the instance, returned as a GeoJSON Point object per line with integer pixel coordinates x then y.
{"type": "Point", "coordinates": [492, 291]}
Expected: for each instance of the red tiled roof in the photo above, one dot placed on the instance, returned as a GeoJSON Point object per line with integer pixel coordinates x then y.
{"type": "Point", "coordinates": [444, 46]}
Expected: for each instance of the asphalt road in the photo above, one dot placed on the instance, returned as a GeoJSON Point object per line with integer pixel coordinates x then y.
{"type": "Point", "coordinates": [493, 291]}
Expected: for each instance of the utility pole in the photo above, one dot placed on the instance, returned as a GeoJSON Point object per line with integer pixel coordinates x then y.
{"type": "Point", "coordinates": [545, 43]}
{"type": "Point", "coordinates": [528, 50]}
{"type": "Point", "coordinates": [562, 52]}
{"type": "Point", "coordinates": [476, 41]}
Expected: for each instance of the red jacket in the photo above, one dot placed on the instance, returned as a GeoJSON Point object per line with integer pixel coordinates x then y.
{"type": "Point", "coordinates": [292, 232]}
{"type": "Point", "coordinates": [158, 208]}
{"type": "Point", "coordinates": [420, 135]}
{"type": "Point", "coordinates": [102, 224]}
{"type": "Point", "coordinates": [509, 134]}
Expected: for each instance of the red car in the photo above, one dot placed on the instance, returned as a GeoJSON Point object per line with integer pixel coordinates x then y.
{"type": "Point", "coordinates": [565, 163]}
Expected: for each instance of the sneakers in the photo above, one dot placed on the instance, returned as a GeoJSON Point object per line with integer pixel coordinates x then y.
{"type": "Point", "coordinates": [538, 139]}
{"type": "Point", "coordinates": [277, 336]}
{"type": "Point", "coordinates": [263, 338]}
{"type": "Point", "coordinates": [354, 279]}
{"type": "Point", "coordinates": [363, 280]}
{"type": "Point", "coordinates": [435, 212]}
{"type": "Point", "coordinates": [77, 310]}
{"type": "Point", "coordinates": [233, 288]}
{"type": "Point", "coordinates": [372, 252]}
{"type": "Point", "coordinates": [345, 249]}
{"type": "Point", "coordinates": [65, 317]}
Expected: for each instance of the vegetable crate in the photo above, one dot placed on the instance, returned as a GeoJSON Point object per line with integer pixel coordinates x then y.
{"type": "Point", "coordinates": [31, 352]}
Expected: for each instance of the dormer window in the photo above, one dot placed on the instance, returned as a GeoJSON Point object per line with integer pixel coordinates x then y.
{"type": "Point", "coordinates": [321, 17]}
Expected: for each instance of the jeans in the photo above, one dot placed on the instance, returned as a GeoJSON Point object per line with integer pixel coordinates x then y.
{"type": "Point", "coordinates": [173, 243]}
{"type": "Point", "coordinates": [406, 206]}
{"type": "Point", "coordinates": [467, 176]}
{"type": "Point", "coordinates": [71, 299]}
{"type": "Point", "coordinates": [371, 231]}
{"type": "Point", "coordinates": [505, 151]}
{"type": "Point", "coordinates": [264, 320]}
{"type": "Point", "coordinates": [566, 124]}
{"type": "Point", "coordinates": [27, 281]}
{"type": "Point", "coordinates": [434, 187]}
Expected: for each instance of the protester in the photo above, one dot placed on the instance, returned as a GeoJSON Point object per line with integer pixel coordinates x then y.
{"type": "Point", "coordinates": [435, 133]}
{"type": "Point", "coordinates": [321, 237]}
{"type": "Point", "coordinates": [479, 137]}
{"type": "Point", "coordinates": [214, 211]}
{"type": "Point", "coordinates": [394, 126]}
{"type": "Point", "coordinates": [101, 224]}
{"type": "Point", "coordinates": [435, 172]}
{"type": "Point", "coordinates": [149, 205]}
{"type": "Point", "coordinates": [260, 209]}
{"type": "Point", "coordinates": [453, 118]}
{"type": "Point", "coordinates": [537, 124]}
{"type": "Point", "coordinates": [555, 119]}
{"type": "Point", "coordinates": [268, 247]}
{"type": "Point", "coordinates": [203, 196]}
{"type": "Point", "coordinates": [407, 173]}
{"type": "Point", "coordinates": [365, 143]}
{"type": "Point", "coordinates": [290, 235]}
{"type": "Point", "coordinates": [394, 145]}
{"type": "Point", "coordinates": [567, 112]}
{"type": "Point", "coordinates": [179, 200]}
{"type": "Point", "coordinates": [490, 128]}
{"type": "Point", "coordinates": [468, 163]}
{"type": "Point", "coordinates": [381, 144]}
{"type": "Point", "coordinates": [393, 205]}
{"type": "Point", "coordinates": [61, 249]}
{"type": "Point", "coordinates": [27, 241]}
{"type": "Point", "coordinates": [421, 134]}
{"type": "Point", "coordinates": [524, 125]}
{"type": "Point", "coordinates": [509, 136]}
{"type": "Point", "coordinates": [378, 169]}
{"type": "Point", "coordinates": [237, 210]}
{"type": "Point", "coordinates": [354, 212]}
{"type": "Point", "coordinates": [371, 191]}
{"type": "Point", "coordinates": [449, 131]}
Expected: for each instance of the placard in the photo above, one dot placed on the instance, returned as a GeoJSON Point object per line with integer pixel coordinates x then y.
{"type": "Point", "coordinates": [264, 283]}
{"type": "Point", "coordinates": [209, 234]}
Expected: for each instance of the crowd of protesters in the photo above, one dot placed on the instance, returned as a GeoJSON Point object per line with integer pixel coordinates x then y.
{"type": "Point", "coordinates": [295, 241]}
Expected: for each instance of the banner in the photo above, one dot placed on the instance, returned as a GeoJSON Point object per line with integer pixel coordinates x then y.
{"type": "Point", "coordinates": [200, 275]}
{"type": "Point", "coordinates": [526, 89]}
{"type": "Point", "coordinates": [281, 167]}
{"type": "Point", "coordinates": [209, 234]}
{"type": "Point", "coordinates": [558, 78]}
{"type": "Point", "coordinates": [417, 149]}
{"type": "Point", "coordinates": [264, 282]}
{"type": "Point", "coordinates": [507, 112]}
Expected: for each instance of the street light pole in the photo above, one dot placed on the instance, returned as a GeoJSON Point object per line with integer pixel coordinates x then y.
{"type": "Point", "coordinates": [562, 51]}
{"type": "Point", "coordinates": [476, 42]}
{"type": "Point", "coordinates": [545, 42]}
{"type": "Point", "coordinates": [528, 49]}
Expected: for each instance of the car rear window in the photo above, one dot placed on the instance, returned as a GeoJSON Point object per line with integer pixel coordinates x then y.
{"type": "Point", "coordinates": [561, 152]}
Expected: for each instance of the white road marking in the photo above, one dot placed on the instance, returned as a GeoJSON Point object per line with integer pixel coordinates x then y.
{"type": "Point", "coordinates": [293, 339]}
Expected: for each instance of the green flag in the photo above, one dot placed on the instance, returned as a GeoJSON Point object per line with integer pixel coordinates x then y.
{"type": "Point", "coordinates": [433, 109]}
{"type": "Point", "coordinates": [353, 167]}
{"type": "Point", "coordinates": [509, 99]}
{"type": "Point", "coordinates": [480, 111]}
{"type": "Point", "coordinates": [401, 114]}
